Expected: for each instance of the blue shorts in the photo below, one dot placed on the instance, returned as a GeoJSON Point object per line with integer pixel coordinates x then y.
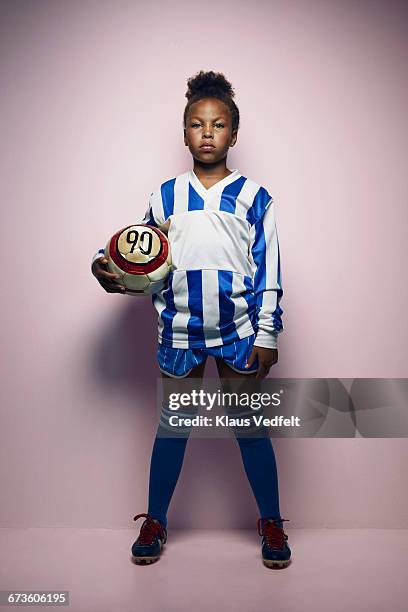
{"type": "Point", "coordinates": [178, 362]}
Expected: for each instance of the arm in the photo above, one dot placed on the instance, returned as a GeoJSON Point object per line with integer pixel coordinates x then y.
{"type": "Point", "coordinates": [267, 278]}
{"type": "Point", "coordinates": [267, 288]}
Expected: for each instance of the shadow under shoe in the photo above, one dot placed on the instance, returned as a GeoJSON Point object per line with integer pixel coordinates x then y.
{"type": "Point", "coordinates": [275, 551]}
{"type": "Point", "coordinates": [152, 537]}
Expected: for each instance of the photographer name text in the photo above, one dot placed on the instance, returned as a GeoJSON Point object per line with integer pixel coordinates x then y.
{"type": "Point", "coordinates": [226, 421]}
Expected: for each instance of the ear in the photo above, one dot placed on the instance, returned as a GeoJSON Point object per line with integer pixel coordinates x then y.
{"type": "Point", "coordinates": [234, 137]}
{"type": "Point", "coordinates": [185, 138]}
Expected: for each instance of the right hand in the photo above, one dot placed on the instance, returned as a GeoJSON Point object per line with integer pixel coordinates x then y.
{"type": "Point", "coordinates": [106, 279]}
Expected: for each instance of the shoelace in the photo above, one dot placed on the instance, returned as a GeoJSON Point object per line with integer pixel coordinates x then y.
{"type": "Point", "coordinates": [275, 537]}
{"type": "Point", "coordinates": [149, 529]}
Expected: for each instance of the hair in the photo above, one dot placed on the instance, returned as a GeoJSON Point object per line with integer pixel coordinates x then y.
{"type": "Point", "coordinates": [211, 85]}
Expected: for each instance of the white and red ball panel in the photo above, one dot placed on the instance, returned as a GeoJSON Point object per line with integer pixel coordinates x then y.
{"type": "Point", "coordinates": [152, 288]}
{"type": "Point", "coordinates": [160, 273]}
{"type": "Point", "coordinates": [140, 254]}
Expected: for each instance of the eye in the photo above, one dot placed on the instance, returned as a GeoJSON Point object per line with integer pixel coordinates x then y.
{"type": "Point", "coordinates": [218, 125]}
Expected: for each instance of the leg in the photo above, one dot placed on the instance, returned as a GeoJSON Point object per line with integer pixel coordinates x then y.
{"type": "Point", "coordinates": [166, 463]}
{"type": "Point", "coordinates": [258, 458]}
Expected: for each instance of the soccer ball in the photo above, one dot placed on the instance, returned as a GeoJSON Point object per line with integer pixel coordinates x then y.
{"type": "Point", "coordinates": [140, 254]}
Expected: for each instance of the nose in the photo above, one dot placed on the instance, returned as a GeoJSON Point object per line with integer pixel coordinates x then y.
{"type": "Point", "coordinates": [207, 131]}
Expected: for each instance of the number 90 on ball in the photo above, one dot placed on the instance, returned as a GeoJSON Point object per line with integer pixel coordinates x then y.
{"type": "Point", "coordinates": [140, 254]}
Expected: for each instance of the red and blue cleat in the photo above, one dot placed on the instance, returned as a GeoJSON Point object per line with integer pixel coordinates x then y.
{"type": "Point", "coordinates": [275, 551]}
{"type": "Point", "coordinates": [149, 544]}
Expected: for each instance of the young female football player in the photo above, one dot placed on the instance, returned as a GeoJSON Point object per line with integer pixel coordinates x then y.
{"type": "Point", "coordinates": [221, 300]}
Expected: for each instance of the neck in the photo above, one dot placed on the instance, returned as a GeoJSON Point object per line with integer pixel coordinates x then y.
{"type": "Point", "coordinates": [218, 170]}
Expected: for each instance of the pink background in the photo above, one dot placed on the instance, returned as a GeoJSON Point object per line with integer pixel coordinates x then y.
{"type": "Point", "coordinates": [92, 104]}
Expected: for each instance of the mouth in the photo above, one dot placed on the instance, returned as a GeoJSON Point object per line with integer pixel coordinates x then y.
{"type": "Point", "coordinates": [207, 147]}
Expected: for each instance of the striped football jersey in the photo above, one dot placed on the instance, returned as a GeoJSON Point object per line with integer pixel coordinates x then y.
{"type": "Point", "coordinates": [225, 283]}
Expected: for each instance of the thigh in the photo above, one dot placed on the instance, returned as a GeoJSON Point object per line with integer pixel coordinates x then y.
{"type": "Point", "coordinates": [224, 371]}
{"type": "Point", "coordinates": [232, 381]}
{"type": "Point", "coordinates": [174, 386]}
{"type": "Point", "coordinates": [235, 382]}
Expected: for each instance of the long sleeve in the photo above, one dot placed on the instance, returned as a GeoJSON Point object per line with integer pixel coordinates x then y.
{"type": "Point", "coordinates": [148, 218]}
{"type": "Point", "coordinates": [99, 253]}
{"type": "Point", "coordinates": [267, 278]}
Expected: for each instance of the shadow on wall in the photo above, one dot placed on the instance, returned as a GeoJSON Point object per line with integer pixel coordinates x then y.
{"type": "Point", "coordinates": [125, 355]}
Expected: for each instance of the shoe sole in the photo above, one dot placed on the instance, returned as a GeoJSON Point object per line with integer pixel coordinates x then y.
{"type": "Point", "coordinates": [276, 564]}
{"type": "Point", "coordinates": [144, 560]}
{"type": "Point", "coordinates": [148, 560]}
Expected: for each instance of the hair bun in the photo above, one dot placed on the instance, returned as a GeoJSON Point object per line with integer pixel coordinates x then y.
{"type": "Point", "coordinates": [209, 83]}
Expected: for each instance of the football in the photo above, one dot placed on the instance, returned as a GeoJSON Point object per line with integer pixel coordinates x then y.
{"type": "Point", "coordinates": [140, 254]}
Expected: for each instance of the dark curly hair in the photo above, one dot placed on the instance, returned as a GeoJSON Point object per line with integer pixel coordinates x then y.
{"type": "Point", "coordinates": [211, 85]}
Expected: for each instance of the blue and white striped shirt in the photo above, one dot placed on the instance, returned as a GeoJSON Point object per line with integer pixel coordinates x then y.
{"type": "Point", "coordinates": [226, 279]}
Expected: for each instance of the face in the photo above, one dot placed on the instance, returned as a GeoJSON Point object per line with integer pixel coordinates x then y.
{"type": "Point", "coordinates": [209, 122]}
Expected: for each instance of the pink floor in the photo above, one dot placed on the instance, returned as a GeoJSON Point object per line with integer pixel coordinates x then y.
{"type": "Point", "coordinates": [207, 570]}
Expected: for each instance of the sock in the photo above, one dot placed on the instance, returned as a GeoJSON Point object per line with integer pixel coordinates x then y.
{"type": "Point", "coordinates": [165, 467]}
{"type": "Point", "coordinates": [259, 462]}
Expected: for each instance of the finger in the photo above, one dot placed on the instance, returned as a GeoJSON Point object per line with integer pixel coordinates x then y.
{"type": "Point", "coordinates": [110, 290]}
{"type": "Point", "coordinates": [251, 358]}
{"type": "Point", "coordinates": [113, 287]}
{"type": "Point", "coordinates": [110, 282]}
{"type": "Point", "coordinates": [101, 272]}
{"type": "Point", "coordinates": [101, 264]}
{"type": "Point", "coordinates": [105, 274]}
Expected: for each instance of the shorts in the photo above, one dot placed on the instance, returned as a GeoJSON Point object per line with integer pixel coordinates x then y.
{"type": "Point", "coordinates": [178, 362]}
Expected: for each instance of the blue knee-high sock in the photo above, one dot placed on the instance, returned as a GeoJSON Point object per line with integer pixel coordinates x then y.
{"type": "Point", "coordinates": [259, 462]}
{"type": "Point", "coordinates": [165, 467]}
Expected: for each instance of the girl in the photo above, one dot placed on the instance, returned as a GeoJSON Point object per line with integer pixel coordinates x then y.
{"type": "Point", "coordinates": [222, 299]}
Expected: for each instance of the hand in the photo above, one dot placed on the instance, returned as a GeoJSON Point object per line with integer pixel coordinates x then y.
{"type": "Point", "coordinates": [106, 279]}
{"type": "Point", "coordinates": [266, 358]}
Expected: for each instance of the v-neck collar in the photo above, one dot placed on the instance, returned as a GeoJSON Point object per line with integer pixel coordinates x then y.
{"type": "Point", "coordinates": [221, 183]}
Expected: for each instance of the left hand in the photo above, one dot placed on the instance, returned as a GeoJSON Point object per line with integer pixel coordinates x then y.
{"type": "Point", "coordinates": [266, 359]}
